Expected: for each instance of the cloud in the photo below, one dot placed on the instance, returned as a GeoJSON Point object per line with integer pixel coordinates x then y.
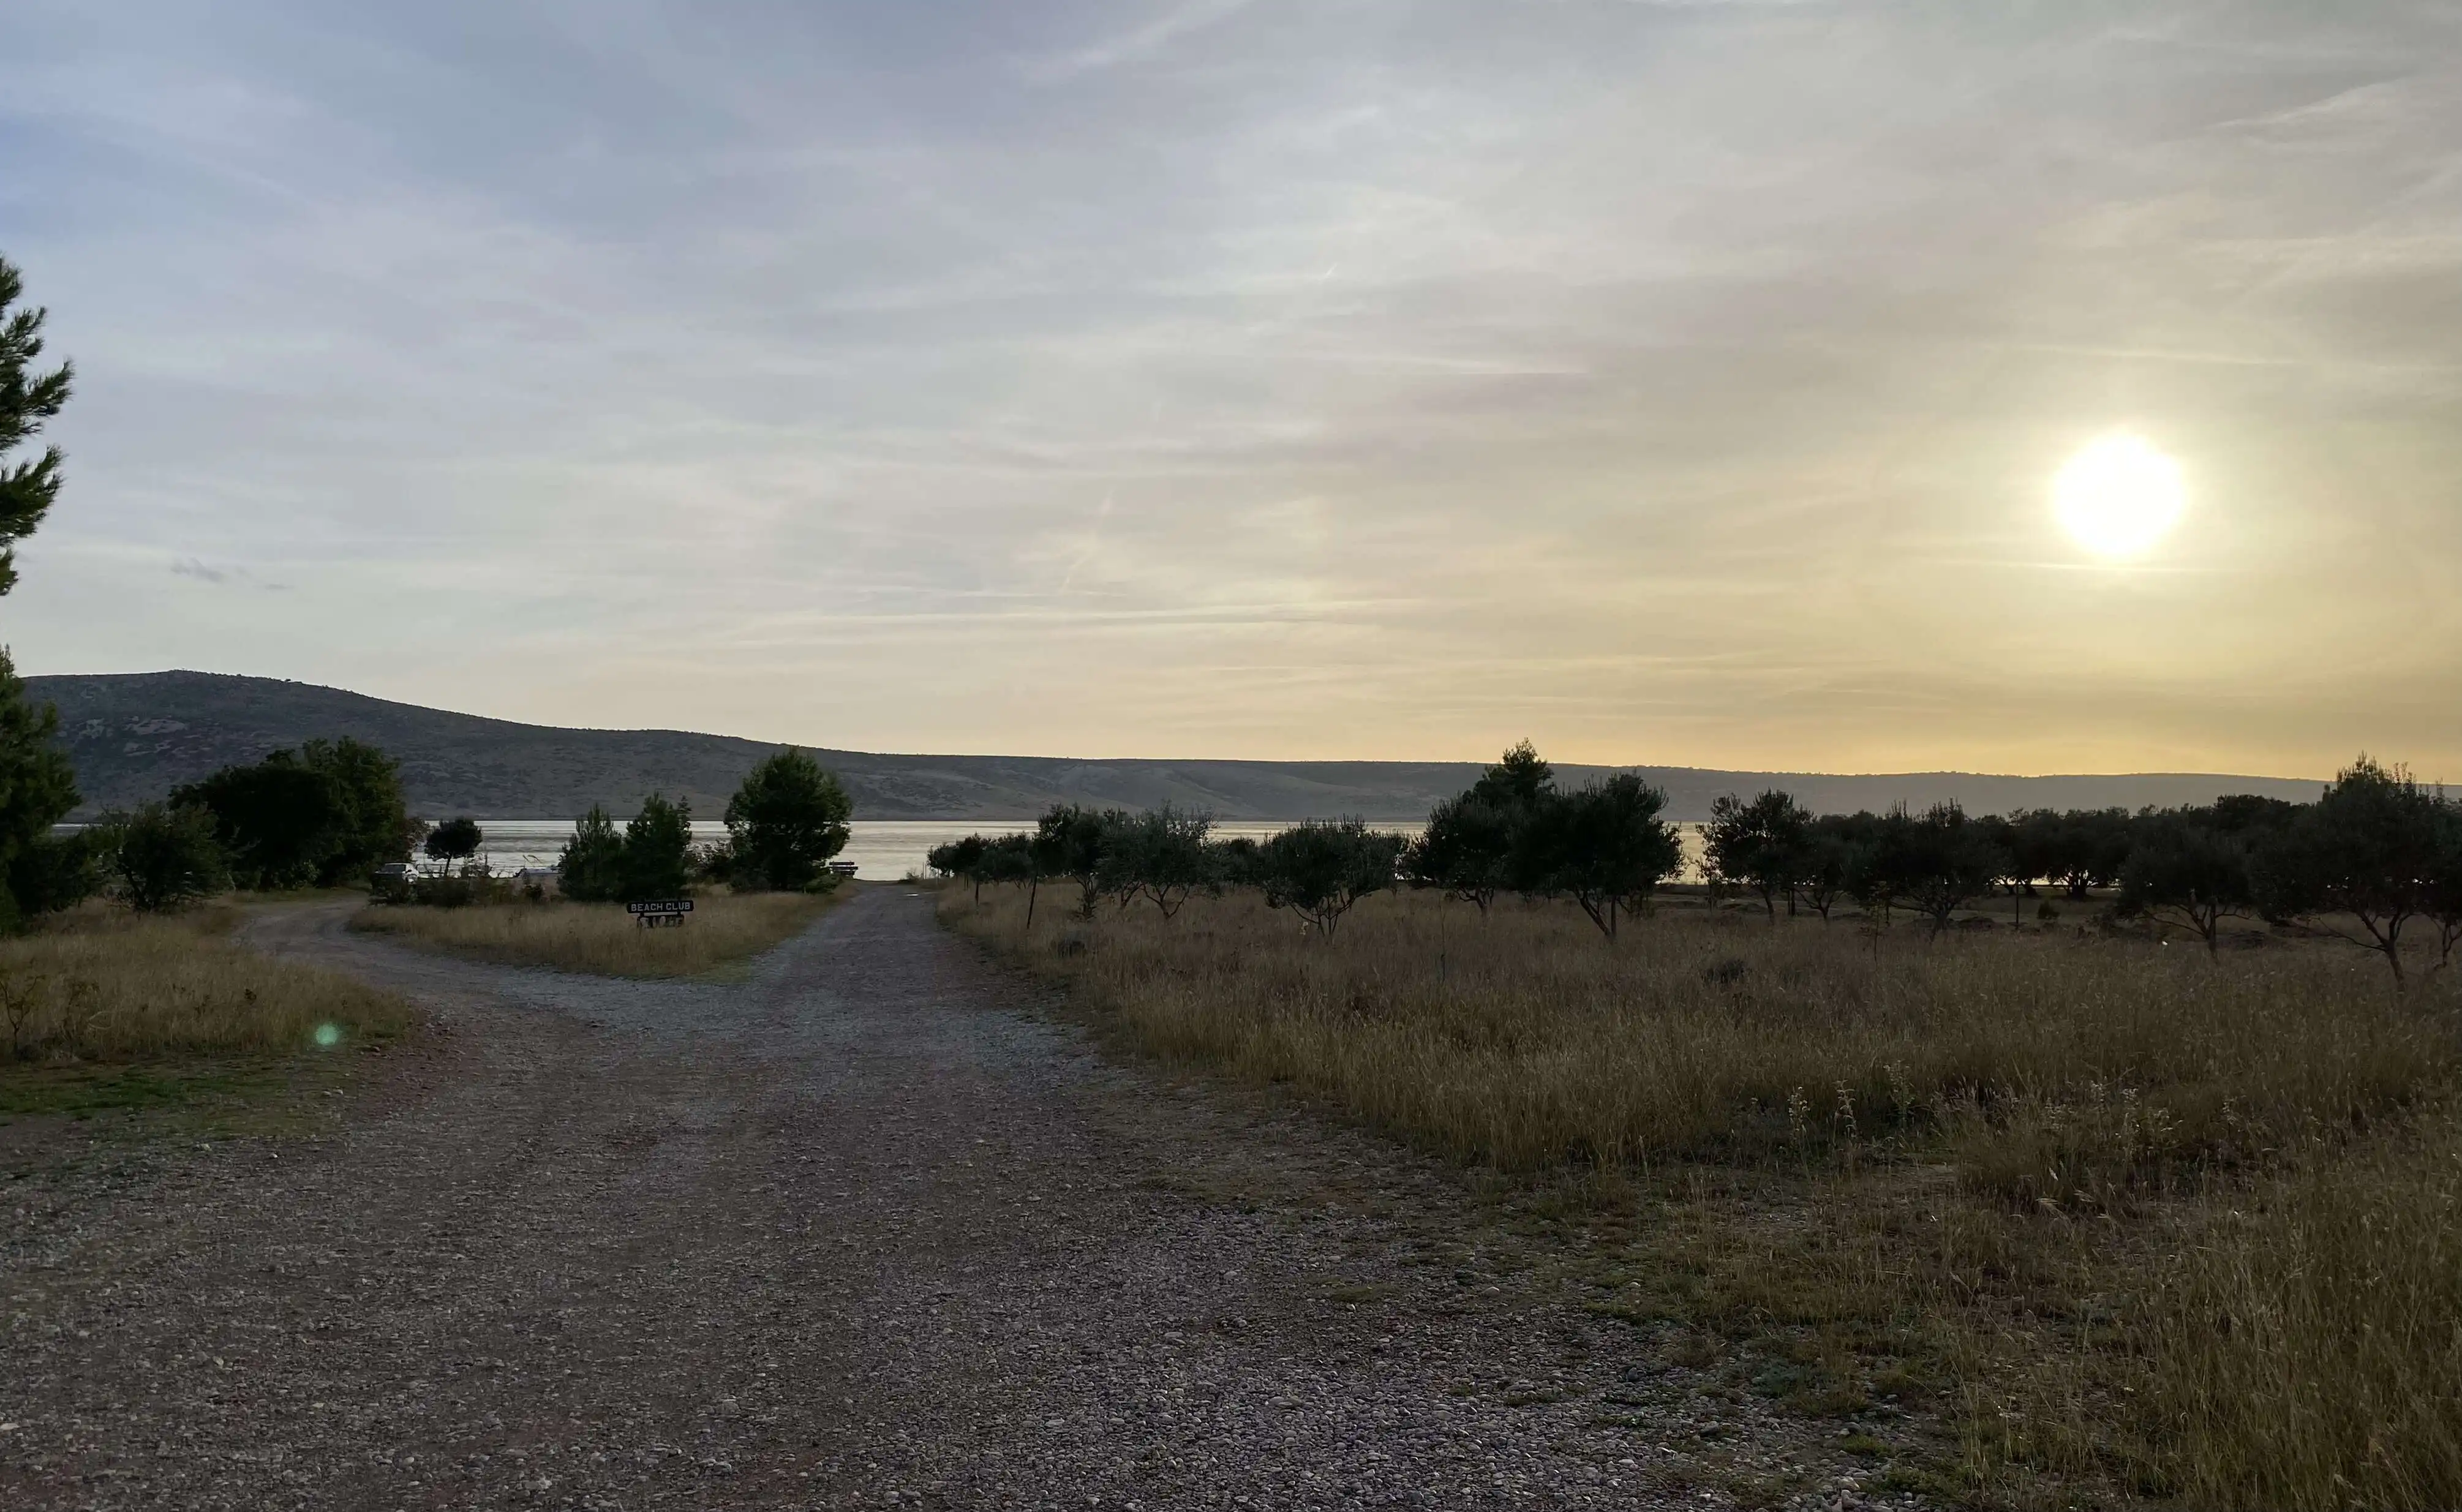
{"type": "Point", "coordinates": [223, 576]}
{"type": "Point", "coordinates": [1360, 380]}
{"type": "Point", "coordinates": [1137, 43]}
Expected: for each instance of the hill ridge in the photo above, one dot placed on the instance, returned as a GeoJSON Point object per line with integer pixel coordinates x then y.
{"type": "Point", "coordinates": [133, 736]}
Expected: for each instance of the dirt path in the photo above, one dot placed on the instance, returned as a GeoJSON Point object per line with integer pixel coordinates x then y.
{"type": "Point", "coordinates": [857, 1232]}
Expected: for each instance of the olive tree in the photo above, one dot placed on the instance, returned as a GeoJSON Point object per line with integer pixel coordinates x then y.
{"type": "Point", "coordinates": [1318, 869]}
{"type": "Point", "coordinates": [960, 859]}
{"type": "Point", "coordinates": [1466, 849]}
{"type": "Point", "coordinates": [1162, 854]}
{"type": "Point", "coordinates": [1764, 844]}
{"type": "Point", "coordinates": [2360, 863]}
{"type": "Point", "coordinates": [1604, 845]}
{"type": "Point", "coordinates": [1069, 841]}
{"type": "Point", "coordinates": [1830, 861]}
{"type": "Point", "coordinates": [2185, 869]}
{"type": "Point", "coordinates": [1933, 863]}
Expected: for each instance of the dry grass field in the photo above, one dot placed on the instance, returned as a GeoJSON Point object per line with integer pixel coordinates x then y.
{"type": "Point", "coordinates": [2136, 1221]}
{"type": "Point", "coordinates": [102, 1007]}
{"type": "Point", "coordinates": [601, 938]}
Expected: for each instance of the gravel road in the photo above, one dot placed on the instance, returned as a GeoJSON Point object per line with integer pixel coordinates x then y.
{"type": "Point", "coordinates": [864, 1230]}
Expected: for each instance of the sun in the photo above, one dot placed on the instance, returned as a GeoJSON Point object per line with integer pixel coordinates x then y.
{"type": "Point", "coordinates": [2119, 495]}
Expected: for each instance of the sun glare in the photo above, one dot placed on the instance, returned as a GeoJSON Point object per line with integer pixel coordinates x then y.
{"type": "Point", "coordinates": [2118, 495]}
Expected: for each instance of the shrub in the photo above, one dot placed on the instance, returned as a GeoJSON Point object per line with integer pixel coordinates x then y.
{"type": "Point", "coordinates": [276, 821]}
{"type": "Point", "coordinates": [163, 856]}
{"type": "Point", "coordinates": [1238, 861]}
{"type": "Point", "coordinates": [328, 813]}
{"type": "Point", "coordinates": [718, 863]}
{"type": "Point", "coordinates": [56, 872]}
{"type": "Point", "coordinates": [591, 868]}
{"type": "Point", "coordinates": [459, 891]}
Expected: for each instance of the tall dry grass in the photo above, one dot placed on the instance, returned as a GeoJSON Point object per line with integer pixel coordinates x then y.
{"type": "Point", "coordinates": [1528, 1040]}
{"type": "Point", "coordinates": [602, 937]}
{"type": "Point", "coordinates": [101, 986]}
{"type": "Point", "coordinates": [2304, 1349]}
{"type": "Point", "coordinates": [2168, 1222]}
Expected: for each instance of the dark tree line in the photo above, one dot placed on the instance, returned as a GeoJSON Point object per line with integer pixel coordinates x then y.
{"type": "Point", "coordinates": [326, 815]}
{"type": "Point", "coordinates": [1603, 846]}
{"type": "Point", "coordinates": [2377, 855]}
{"type": "Point", "coordinates": [784, 824]}
{"type": "Point", "coordinates": [651, 857]}
{"type": "Point", "coordinates": [1166, 855]}
{"type": "Point", "coordinates": [2376, 859]}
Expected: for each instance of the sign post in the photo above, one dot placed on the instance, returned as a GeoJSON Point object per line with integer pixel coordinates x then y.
{"type": "Point", "coordinates": [664, 913]}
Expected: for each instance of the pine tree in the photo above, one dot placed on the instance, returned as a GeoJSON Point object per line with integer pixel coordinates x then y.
{"type": "Point", "coordinates": [28, 397]}
{"type": "Point", "coordinates": [37, 788]}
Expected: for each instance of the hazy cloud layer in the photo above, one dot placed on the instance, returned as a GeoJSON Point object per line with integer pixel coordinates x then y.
{"type": "Point", "coordinates": [1669, 382]}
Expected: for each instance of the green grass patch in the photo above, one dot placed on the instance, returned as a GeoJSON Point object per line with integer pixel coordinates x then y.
{"type": "Point", "coordinates": [83, 1090]}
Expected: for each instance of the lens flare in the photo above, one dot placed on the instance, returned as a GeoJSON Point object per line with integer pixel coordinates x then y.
{"type": "Point", "coordinates": [2119, 495]}
{"type": "Point", "coordinates": [327, 1035]}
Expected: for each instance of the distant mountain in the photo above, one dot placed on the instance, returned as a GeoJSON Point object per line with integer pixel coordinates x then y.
{"type": "Point", "coordinates": [135, 735]}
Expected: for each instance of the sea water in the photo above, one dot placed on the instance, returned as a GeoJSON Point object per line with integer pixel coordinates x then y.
{"type": "Point", "coordinates": [882, 850]}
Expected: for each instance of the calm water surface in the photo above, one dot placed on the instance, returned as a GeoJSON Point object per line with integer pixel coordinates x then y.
{"type": "Point", "coordinates": [882, 850]}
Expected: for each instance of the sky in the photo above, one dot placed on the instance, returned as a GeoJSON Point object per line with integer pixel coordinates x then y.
{"type": "Point", "coordinates": [1677, 383]}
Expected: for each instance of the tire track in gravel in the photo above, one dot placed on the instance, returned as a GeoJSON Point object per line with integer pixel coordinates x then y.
{"type": "Point", "coordinates": [862, 1230]}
